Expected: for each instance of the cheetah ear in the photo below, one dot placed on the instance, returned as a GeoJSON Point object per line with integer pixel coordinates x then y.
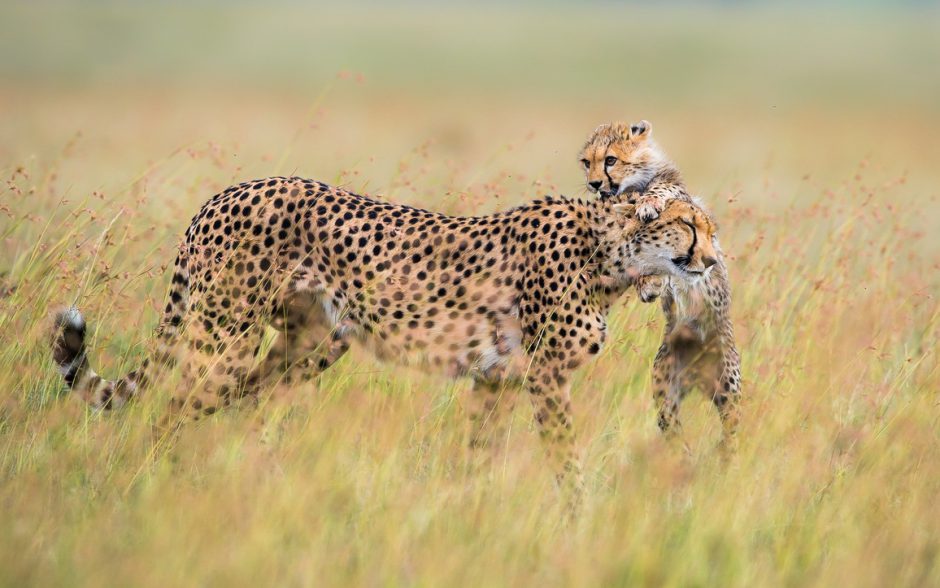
{"type": "Point", "coordinates": [624, 209]}
{"type": "Point", "coordinates": [641, 130]}
{"type": "Point", "coordinates": [624, 215]}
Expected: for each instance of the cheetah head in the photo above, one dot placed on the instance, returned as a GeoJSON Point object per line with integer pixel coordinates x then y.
{"type": "Point", "coordinates": [619, 156]}
{"type": "Point", "coordinates": [681, 242]}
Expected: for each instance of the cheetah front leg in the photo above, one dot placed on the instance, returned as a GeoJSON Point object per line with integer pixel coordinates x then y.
{"type": "Point", "coordinates": [649, 206]}
{"type": "Point", "coordinates": [550, 395]}
{"type": "Point", "coordinates": [489, 408]}
{"type": "Point", "coordinates": [650, 287]}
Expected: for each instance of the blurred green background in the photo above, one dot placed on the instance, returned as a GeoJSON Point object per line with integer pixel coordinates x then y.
{"type": "Point", "coordinates": [739, 93]}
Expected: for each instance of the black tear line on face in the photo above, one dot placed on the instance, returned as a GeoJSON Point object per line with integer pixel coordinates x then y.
{"type": "Point", "coordinates": [691, 253]}
{"type": "Point", "coordinates": [610, 180]}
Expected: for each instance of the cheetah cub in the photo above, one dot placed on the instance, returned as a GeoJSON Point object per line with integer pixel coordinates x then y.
{"type": "Point", "coordinates": [622, 162]}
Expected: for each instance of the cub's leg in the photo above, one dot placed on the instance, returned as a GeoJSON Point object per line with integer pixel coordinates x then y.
{"type": "Point", "coordinates": [727, 386]}
{"type": "Point", "coordinates": [727, 398]}
{"type": "Point", "coordinates": [667, 390]}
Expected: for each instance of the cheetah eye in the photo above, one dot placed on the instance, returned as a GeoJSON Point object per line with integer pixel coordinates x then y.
{"type": "Point", "coordinates": [585, 163]}
{"type": "Point", "coordinates": [610, 161]}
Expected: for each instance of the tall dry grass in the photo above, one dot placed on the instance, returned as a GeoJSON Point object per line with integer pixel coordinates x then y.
{"type": "Point", "coordinates": [827, 211]}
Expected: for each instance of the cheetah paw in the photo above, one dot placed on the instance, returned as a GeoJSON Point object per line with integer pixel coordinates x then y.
{"type": "Point", "coordinates": [648, 211]}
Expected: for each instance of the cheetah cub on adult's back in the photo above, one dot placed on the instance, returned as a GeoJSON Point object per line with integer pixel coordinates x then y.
{"type": "Point", "coordinates": [622, 162]}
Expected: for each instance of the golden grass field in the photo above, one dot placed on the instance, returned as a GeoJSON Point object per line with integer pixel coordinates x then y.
{"type": "Point", "coordinates": [813, 136]}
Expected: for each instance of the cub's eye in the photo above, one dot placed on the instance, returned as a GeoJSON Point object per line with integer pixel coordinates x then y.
{"type": "Point", "coordinates": [585, 163]}
{"type": "Point", "coordinates": [610, 161]}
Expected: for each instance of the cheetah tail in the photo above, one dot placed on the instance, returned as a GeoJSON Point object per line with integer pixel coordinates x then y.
{"type": "Point", "coordinates": [69, 353]}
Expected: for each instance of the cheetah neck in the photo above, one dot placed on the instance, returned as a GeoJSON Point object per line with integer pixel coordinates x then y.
{"type": "Point", "coordinates": [608, 229]}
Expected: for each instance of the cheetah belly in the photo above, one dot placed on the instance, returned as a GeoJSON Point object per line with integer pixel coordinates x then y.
{"type": "Point", "coordinates": [456, 343]}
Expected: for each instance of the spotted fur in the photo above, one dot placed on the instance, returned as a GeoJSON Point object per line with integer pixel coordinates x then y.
{"type": "Point", "coordinates": [622, 161]}
{"type": "Point", "coordinates": [515, 300]}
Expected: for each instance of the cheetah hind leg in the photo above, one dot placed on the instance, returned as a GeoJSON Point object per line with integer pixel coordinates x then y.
{"type": "Point", "coordinates": [727, 399]}
{"type": "Point", "coordinates": [670, 385]}
{"type": "Point", "coordinates": [667, 393]}
{"type": "Point", "coordinates": [305, 346]}
{"type": "Point", "coordinates": [214, 372]}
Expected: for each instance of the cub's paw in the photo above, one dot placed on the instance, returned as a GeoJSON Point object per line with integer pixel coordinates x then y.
{"type": "Point", "coordinates": [648, 210]}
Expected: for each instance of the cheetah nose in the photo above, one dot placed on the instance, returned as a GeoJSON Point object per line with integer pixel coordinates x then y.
{"type": "Point", "coordinates": [709, 261]}
{"type": "Point", "coordinates": [595, 185]}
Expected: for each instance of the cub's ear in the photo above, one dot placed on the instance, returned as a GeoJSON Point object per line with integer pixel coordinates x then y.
{"type": "Point", "coordinates": [641, 130]}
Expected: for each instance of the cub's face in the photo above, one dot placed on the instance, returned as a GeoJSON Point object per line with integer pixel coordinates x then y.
{"type": "Point", "coordinates": [618, 157]}
{"type": "Point", "coordinates": [680, 242]}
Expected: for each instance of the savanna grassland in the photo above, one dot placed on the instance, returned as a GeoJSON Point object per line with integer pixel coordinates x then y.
{"type": "Point", "coordinates": [813, 135]}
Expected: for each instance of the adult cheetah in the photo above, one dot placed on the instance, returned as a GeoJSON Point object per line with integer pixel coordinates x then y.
{"type": "Point", "coordinates": [517, 299]}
